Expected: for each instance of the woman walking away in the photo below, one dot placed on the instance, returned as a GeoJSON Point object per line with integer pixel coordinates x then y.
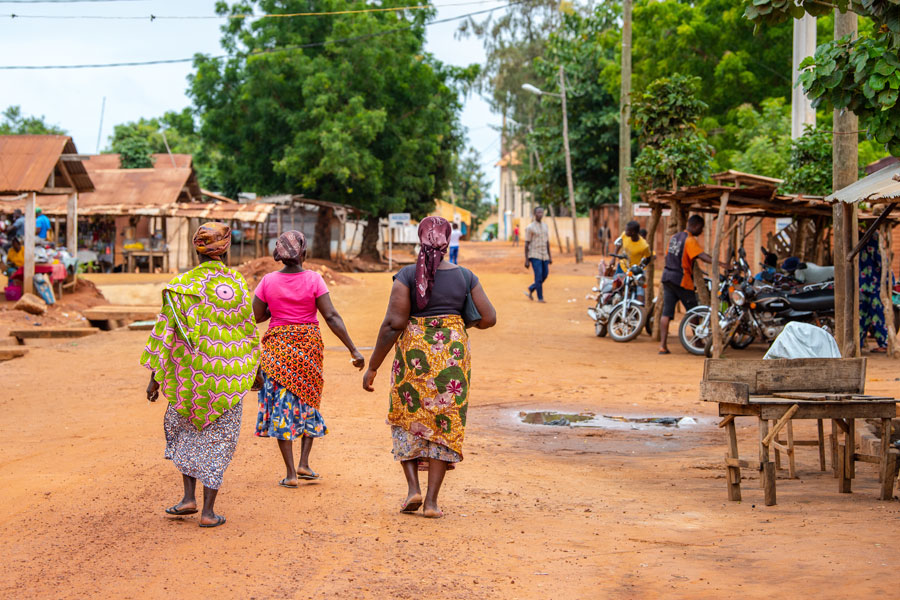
{"type": "Point", "coordinates": [432, 365]}
{"type": "Point", "coordinates": [291, 365]}
{"type": "Point", "coordinates": [203, 355]}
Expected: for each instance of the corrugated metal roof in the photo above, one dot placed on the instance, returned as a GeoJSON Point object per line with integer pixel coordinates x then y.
{"type": "Point", "coordinates": [27, 161]}
{"type": "Point", "coordinates": [160, 161]}
{"type": "Point", "coordinates": [880, 186]}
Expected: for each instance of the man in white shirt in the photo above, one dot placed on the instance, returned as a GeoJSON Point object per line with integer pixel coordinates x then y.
{"type": "Point", "coordinates": [455, 234]}
{"type": "Point", "coordinates": [537, 253]}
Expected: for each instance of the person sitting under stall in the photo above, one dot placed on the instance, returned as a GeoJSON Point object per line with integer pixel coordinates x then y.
{"type": "Point", "coordinates": [15, 257]}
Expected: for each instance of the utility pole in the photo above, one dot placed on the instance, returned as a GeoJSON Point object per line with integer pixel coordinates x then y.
{"type": "Point", "coordinates": [626, 211]}
{"type": "Point", "coordinates": [802, 112]}
{"type": "Point", "coordinates": [845, 160]}
{"type": "Point", "coordinates": [579, 257]}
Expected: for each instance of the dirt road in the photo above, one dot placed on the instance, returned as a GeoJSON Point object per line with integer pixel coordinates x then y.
{"type": "Point", "coordinates": [532, 512]}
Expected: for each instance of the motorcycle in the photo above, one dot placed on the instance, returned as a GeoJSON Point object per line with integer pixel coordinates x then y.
{"type": "Point", "coordinates": [619, 310]}
{"type": "Point", "coordinates": [695, 328]}
{"type": "Point", "coordinates": [764, 311]}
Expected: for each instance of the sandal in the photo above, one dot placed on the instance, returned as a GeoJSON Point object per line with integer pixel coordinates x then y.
{"type": "Point", "coordinates": [179, 512]}
{"type": "Point", "coordinates": [664, 352]}
{"type": "Point", "coordinates": [284, 483]}
{"type": "Point", "coordinates": [311, 477]}
{"type": "Point", "coordinates": [411, 505]}
{"type": "Point", "coordinates": [878, 350]}
{"type": "Point", "coordinates": [220, 520]}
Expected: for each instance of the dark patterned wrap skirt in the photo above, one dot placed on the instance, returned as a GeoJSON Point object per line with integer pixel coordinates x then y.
{"type": "Point", "coordinates": [203, 454]}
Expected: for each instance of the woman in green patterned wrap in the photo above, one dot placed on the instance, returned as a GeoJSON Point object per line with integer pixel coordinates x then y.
{"type": "Point", "coordinates": [203, 355]}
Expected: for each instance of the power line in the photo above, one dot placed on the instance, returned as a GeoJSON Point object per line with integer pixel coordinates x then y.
{"type": "Point", "coordinates": [252, 53]}
{"type": "Point", "coordinates": [154, 17]}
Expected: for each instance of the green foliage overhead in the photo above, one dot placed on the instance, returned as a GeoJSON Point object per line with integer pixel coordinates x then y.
{"type": "Point", "coordinates": [673, 153]}
{"type": "Point", "coordinates": [371, 123]}
{"type": "Point", "coordinates": [593, 117]}
{"type": "Point", "coordinates": [862, 75]}
{"type": "Point", "coordinates": [809, 169]}
{"type": "Point", "coordinates": [15, 123]}
{"type": "Point", "coordinates": [134, 153]}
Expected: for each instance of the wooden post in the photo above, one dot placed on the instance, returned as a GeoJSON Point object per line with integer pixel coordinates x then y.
{"type": "Point", "coordinates": [72, 227]}
{"type": "Point", "coordinates": [353, 239]}
{"type": "Point", "coordinates": [888, 462]}
{"type": "Point", "coordinates": [766, 467]}
{"type": "Point", "coordinates": [555, 228]}
{"type": "Point", "coordinates": [655, 214]}
{"type": "Point", "coordinates": [734, 473]}
{"type": "Point", "coordinates": [714, 271]}
{"type": "Point", "coordinates": [820, 429]}
{"type": "Point", "coordinates": [757, 246]}
{"type": "Point", "coordinates": [278, 220]}
{"type": "Point", "coordinates": [258, 245]}
{"type": "Point", "coordinates": [28, 274]}
{"type": "Point", "coordinates": [884, 245]}
{"type": "Point", "coordinates": [56, 229]}
{"type": "Point", "coordinates": [625, 208]}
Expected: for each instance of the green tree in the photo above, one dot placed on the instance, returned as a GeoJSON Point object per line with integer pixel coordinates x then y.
{"type": "Point", "coordinates": [862, 74]}
{"type": "Point", "coordinates": [134, 153]}
{"type": "Point", "coordinates": [673, 152]}
{"type": "Point", "coordinates": [15, 123]}
{"type": "Point", "coordinates": [593, 117]}
{"type": "Point", "coordinates": [345, 108]}
{"type": "Point", "coordinates": [809, 167]}
{"type": "Point", "coordinates": [181, 133]}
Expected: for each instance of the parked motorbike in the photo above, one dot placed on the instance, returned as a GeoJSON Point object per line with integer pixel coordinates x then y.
{"type": "Point", "coordinates": [764, 311]}
{"type": "Point", "coordinates": [619, 310]}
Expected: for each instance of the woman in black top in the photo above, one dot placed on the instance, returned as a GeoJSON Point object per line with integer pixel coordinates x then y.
{"type": "Point", "coordinates": [431, 370]}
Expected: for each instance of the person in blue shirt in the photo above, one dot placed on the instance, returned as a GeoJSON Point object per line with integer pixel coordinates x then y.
{"type": "Point", "coordinates": [42, 224]}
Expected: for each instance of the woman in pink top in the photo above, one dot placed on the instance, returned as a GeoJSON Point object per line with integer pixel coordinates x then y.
{"type": "Point", "coordinates": [291, 364]}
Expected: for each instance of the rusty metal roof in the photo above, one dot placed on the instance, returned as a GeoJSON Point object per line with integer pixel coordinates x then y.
{"type": "Point", "coordinates": [28, 161]}
{"type": "Point", "coordinates": [880, 187]}
{"type": "Point", "coordinates": [104, 162]}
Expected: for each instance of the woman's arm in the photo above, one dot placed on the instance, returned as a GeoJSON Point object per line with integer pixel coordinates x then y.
{"type": "Point", "coordinates": [337, 327]}
{"type": "Point", "coordinates": [260, 310]}
{"type": "Point", "coordinates": [394, 324]}
{"type": "Point", "coordinates": [484, 306]}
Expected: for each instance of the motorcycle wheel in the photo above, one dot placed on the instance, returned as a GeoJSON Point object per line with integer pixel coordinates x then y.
{"type": "Point", "coordinates": [739, 342]}
{"type": "Point", "coordinates": [625, 327]}
{"type": "Point", "coordinates": [695, 318]}
{"type": "Point", "coordinates": [726, 340]}
{"type": "Point", "coordinates": [600, 329]}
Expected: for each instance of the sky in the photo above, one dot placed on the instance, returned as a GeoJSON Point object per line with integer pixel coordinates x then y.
{"type": "Point", "coordinates": [72, 99]}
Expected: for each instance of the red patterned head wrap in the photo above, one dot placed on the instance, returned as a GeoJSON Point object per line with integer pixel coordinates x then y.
{"type": "Point", "coordinates": [434, 237]}
{"type": "Point", "coordinates": [213, 239]}
{"type": "Point", "coordinates": [290, 246]}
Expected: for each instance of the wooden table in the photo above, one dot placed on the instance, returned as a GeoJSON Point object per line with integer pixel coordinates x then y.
{"type": "Point", "coordinates": [51, 333]}
{"type": "Point", "coordinates": [778, 392]}
{"type": "Point", "coordinates": [150, 255]}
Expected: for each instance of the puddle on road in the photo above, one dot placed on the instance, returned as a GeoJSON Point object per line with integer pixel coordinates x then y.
{"type": "Point", "coordinates": [602, 421]}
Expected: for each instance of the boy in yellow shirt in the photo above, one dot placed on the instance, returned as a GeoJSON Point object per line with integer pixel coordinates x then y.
{"type": "Point", "coordinates": [632, 245]}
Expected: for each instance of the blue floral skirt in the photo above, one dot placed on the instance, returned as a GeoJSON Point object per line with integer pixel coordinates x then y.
{"type": "Point", "coordinates": [283, 416]}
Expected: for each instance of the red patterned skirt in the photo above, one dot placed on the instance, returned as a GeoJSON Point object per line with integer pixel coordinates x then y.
{"type": "Point", "coordinates": [292, 356]}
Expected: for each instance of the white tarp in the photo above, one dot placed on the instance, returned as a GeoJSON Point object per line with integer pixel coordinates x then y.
{"type": "Point", "coordinates": [802, 340]}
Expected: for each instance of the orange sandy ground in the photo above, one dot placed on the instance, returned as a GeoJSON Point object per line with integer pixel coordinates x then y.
{"type": "Point", "coordinates": [533, 512]}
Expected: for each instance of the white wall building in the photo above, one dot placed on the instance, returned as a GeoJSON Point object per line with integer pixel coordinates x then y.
{"type": "Point", "coordinates": [514, 206]}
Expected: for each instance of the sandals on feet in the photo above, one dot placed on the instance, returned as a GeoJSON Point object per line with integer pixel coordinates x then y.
{"type": "Point", "coordinates": [220, 520]}
{"type": "Point", "coordinates": [411, 505]}
{"type": "Point", "coordinates": [311, 477]}
{"type": "Point", "coordinates": [178, 512]}
{"type": "Point", "coordinates": [284, 483]}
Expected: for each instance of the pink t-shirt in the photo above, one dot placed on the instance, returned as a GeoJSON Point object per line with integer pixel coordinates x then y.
{"type": "Point", "coordinates": [291, 297]}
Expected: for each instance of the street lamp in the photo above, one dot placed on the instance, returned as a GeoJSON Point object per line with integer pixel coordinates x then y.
{"type": "Point", "coordinates": [562, 96]}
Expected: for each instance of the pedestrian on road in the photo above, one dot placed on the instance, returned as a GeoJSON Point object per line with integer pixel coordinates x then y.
{"type": "Point", "coordinates": [678, 275]}
{"type": "Point", "coordinates": [537, 253]}
{"type": "Point", "coordinates": [202, 355]}
{"type": "Point", "coordinates": [291, 365]}
{"type": "Point", "coordinates": [455, 234]}
{"type": "Point", "coordinates": [515, 236]}
{"type": "Point", "coordinates": [871, 309]}
{"type": "Point", "coordinates": [431, 371]}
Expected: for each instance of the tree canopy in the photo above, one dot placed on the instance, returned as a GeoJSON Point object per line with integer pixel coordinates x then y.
{"type": "Point", "coordinates": [15, 123]}
{"type": "Point", "coordinates": [345, 108]}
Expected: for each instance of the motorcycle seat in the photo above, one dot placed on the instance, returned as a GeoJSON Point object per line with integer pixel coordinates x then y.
{"type": "Point", "coordinates": [815, 301]}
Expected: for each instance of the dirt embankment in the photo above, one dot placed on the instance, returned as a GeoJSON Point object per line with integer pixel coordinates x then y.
{"type": "Point", "coordinates": [65, 312]}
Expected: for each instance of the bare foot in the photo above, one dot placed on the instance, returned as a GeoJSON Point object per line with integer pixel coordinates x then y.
{"type": "Point", "coordinates": [431, 510]}
{"type": "Point", "coordinates": [412, 503]}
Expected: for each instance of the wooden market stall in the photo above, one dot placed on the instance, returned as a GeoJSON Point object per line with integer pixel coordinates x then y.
{"type": "Point", "coordinates": [297, 212]}
{"type": "Point", "coordinates": [45, 165]}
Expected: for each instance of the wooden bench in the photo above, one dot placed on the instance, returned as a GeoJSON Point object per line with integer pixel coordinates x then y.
{"type": "Point", "coordinates": [106, 316]}
{"type": "Point", "coordinates": [778, 391]}
{"type": "Point", "coordinates": [51, 333]}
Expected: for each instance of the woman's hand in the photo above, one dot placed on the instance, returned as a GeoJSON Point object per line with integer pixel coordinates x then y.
{"type": "Point", "coordinates": [368, 379]}
{"type": "Point", "coordinates": [357, 359]}
{"type": "Point", "coordinates": [152, 390]}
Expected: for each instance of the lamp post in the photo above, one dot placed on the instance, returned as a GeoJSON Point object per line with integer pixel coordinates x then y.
{"type": "Point", "coordinates": [562, 96]}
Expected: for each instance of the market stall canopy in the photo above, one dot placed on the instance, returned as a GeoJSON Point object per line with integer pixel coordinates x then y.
{"type": "Point", "coordinates": [753, 201]}
{"type": "Point", "coordinates": [881, 187]}
{"type": "Point", "coordinates": [162, 162]}
{"type": "Point", "coordinates": [41, 163]}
